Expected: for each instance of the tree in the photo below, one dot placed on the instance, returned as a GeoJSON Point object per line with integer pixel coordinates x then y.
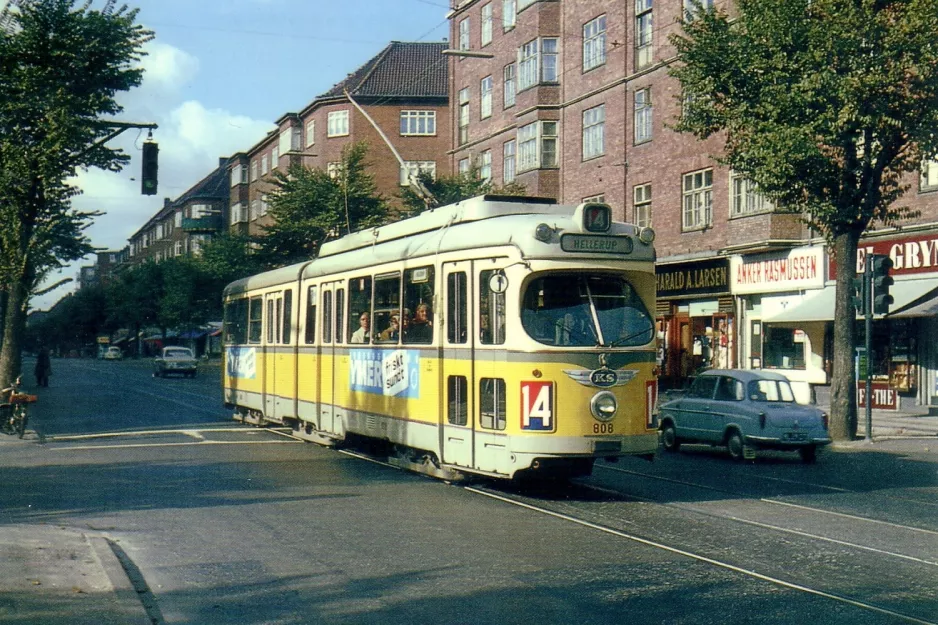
{"type": "Point", "coordinates": [310, 206]}
{"type": "Point", "coordinates": [452, 189]}
{"type": "Point", "coordinates": [825, 105]}
{"type": "Point", "coordinates": [134, 298]}
{"type": "Point", "coordinates": [60, 70]}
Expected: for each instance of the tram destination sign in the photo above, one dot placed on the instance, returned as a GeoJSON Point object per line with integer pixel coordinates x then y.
{"type": "Point", "coordinates": [596, 244]}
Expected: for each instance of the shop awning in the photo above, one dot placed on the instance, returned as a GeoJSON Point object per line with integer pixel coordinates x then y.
{"type": "Point", "coordinates": [820, 306]}
{"type": "Point", "coordinates": [924, 306]}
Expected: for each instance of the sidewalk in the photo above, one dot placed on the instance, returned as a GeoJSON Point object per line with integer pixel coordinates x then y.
{"type": "Point", "coordinates": [52, 575]}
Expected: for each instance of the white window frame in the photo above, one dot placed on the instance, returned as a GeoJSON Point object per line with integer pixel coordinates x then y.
{"type": "Point", "coordinates": [463, 166]}
{"type": "Point", "coordinates": [745, 198]}
{"type": "Point", "coordinates": [508, 161]}
{"type": "Point", "coordinates": [485, 100]}
{"type": "Point", "coordinates": [594, 43]}
{"type": "Point", "coordinates": [285, 142]}
{"type": "Point", "coordinates": [486, 34]}
{"type": "Point", "coordinates": [263, 207]}
{"type": "Point", "coordinates": [641, 205]}
{"type": "Point", "coordinates": [928, 180]}
{"type": "Point", "coordinates": [275, 157]}
{"type": "Point", "coordinates": [509, 14]}
{"type": "Point", "coordinates": [414, 168]}
{"type": "Point", "coordinates": [265, 164]}
{"type": "Point", "coordinates": [697, 199]}
{"type": "Point", "coordinates": [311, 132]}
{"type": "Point", "coordinates": [690, 11]}
{"type": "Point", "coordinates": [594, 132]}
{"type": "Point", "coordinates": [338, 124]}
{"type": "Point", "coordinates": [643, 117]}
{"type": "Point", "coordinates": [644, 33]}
{"type": "Point", "coordinates": [237, 214]}
{"type": "Point", "coordinates": [253, 171]}
{"type": "Point", "coordinates": [255, 209]}
{"type": "Point", "coordinates": [485, 165]}
{"type": "Point", "coordinates": [464, 34]}
{"type": "Point", "coordinates": [177, 219]}
{"type": "Point", "coordinates": [510, 86]}
{"type": "Point", "coordinates": [463, 120]}
{"type": "Point", "coordinates": [537, 62]}
{"type": "Point", "coordinates": [418, 123]}
{"type": "Point", "coordinates": [537, 145]}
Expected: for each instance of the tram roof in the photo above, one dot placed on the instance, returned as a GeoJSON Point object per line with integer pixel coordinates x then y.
{"type": "Point", "coordinates": [479, 222]}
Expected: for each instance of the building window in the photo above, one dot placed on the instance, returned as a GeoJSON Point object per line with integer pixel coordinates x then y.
{"type": "Point", "coordinates": [265, 166]}
{"type": "Point", "coordinates": [508, 167]}
{"type": "Point", "coordinates": [698, 199]}
{"type": "Point", "coordinates": [641, 199]}
{"type": "Point", "coordinates": [594, 43]}
{"type": "Point", "coordinates": [332, 169]}
{"type": "Point", "coordinates": [643, 33]}
{"type": "Point", "coordinates": [537, 145]}
{"type": "Point", "coordinates": [177, 248]}
{"type": "Point", "coordinates": [255, 209]}
{"type": "Point", "coordinates": [263, 204]}
{"type": "Point", "coordinates": [929, 179]}
{"type": "Point", "coordinates": [463, 166]}
{"type": "Point", "coordinates": [746, 197]}
{"type": "Point", "coordinates": [594, 129]}
{"type": "Point", "coordinates": [690, 8]}
{"type": "Point", "coordinates": [487, 24]}
{"type": "Point", "coordinates": [337, 124]}
{"type": "Point", "coordinates": [310, 132]}
{"type": "Point", "coordinates": [595, 199]}
{"type": "Point", "coordinates": [509, 92]}
{"type": "Point", "coordinates": [177, 219]}
{"type": "Point", "coordinates": [413, 168]}
{"type": "Point", "coordinates": [253, 171]}
{"type": "Point", "coordinates": [485, 88]}
{"type": "Point", "coordinates": [463, 116]}
{"type": "Point", "coordinates": [485, 165]}
{"type": "Point", "coordinates": [239, 174]}
{"type": "Point", "coordinates": [417, 123]}
{"type": "Point", "coordinates": [464, 34]}
{"type": "Point", "coordinates": [284, 143]}
{"type": "Point", "coordinates": [643, 116]}
{"type": "Point", "coordinates": [274, 158]}
{"type": "Point", "coordinates": [237, 215]}
{"type": "Point", "coordinates": [537, 62]}
{"type": "Point", "coordinates": [508, 14]}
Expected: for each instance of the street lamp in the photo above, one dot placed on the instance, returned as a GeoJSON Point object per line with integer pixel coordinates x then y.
{"type": "Point", "coordinates": [470, 53]}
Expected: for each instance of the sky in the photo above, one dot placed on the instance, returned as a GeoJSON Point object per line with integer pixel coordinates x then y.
{"type": "Point", "coordinates": [218, 75]}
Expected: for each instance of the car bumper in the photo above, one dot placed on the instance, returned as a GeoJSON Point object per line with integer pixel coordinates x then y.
{"type": "Point", "coordinates": [776, 443]}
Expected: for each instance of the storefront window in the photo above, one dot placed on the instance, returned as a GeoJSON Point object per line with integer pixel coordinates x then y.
{"type": "Point", "coordinates": [783, 348]}
{"type": "Point", "coordinates": [893, 352]}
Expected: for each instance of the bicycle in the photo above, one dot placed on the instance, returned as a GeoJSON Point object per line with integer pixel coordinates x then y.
{"type": "Point", "coordinates": [13, 410]}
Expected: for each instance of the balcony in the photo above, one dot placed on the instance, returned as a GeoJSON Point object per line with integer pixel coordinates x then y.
{"type": "Point", "coordinates": [209, 224]}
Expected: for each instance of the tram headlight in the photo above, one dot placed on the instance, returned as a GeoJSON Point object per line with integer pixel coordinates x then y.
{"type": "Point", "coordinates": [604, 406]}
{"type": "Point", "coordinates": [543, 233]}
{"type": "Point", "coordinates": [646, 236]}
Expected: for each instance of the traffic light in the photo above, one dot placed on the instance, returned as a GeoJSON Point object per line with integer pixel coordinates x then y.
{"type": "Point", "coordinates": [881, 281]}
{"type": "Point", "coordinates": [151, 165]}
{"type": "Point", "coordinates": [859, 296]}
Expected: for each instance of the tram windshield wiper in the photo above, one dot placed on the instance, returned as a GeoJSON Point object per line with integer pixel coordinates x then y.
{"type": "Point", "coordinates": [622, 340]}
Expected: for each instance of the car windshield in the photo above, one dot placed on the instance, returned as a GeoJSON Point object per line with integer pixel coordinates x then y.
{"type": "Point", "coordinates": [178, 353]}
{"type": "Point", "coordinates": [585, 310]}
{"type": "Point", "coordinates": [771, 390]}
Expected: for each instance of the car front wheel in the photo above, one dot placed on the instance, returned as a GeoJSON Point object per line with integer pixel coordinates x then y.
{"type": "Point", "coordinates": [669, 438]}
{"type": "Point", "coordinates": [735, 444]}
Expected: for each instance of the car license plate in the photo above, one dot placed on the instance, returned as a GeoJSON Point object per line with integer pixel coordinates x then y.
{"type": "Point", "coordinates": [797, 436]}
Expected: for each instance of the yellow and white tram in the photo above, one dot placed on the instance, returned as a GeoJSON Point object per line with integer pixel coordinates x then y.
{"type": "Point", "coordinates": [499, 336]}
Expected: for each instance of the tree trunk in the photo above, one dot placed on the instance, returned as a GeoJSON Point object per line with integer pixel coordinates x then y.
{"type": "Point", "coordinates": [14, 326]}
{"type": "Point", "coordinates": [843, 415]}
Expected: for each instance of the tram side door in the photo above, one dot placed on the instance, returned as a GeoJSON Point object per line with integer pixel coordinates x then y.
{"type": "Point", "coordinates": [327, 359]}
{"type": "Point", "coordinates": [457, 406]}
{"type": "Point", "coordinates": [273, 308]}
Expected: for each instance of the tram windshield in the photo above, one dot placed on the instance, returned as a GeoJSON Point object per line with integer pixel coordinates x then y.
{"type": "Point", "coordinates": [585, 310]}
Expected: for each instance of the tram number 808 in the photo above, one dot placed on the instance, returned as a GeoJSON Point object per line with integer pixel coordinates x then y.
{"type": "Point", "coordinates": [602, 428]}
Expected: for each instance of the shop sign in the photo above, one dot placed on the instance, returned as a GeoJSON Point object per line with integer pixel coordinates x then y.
{"type": "Point", "coordinates": [704, 277]}
{"type": "Point", "coordinates": [799, 268]}
{"type": "Point", "coordinates": [910, 255]}
{"type": "Point", "coordinates": [884, 397]}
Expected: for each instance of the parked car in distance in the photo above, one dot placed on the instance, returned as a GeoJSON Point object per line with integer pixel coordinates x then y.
{"type": "Point", "coordinates": [175, 360]}
{"type": "Point", "coordinates": [113, 353]}
{"type": "Point", "coordinates": [744, 411]}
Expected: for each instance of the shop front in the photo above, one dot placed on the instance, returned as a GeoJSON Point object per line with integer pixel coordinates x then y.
{"type": "Point", "coordinates": [695, 319]}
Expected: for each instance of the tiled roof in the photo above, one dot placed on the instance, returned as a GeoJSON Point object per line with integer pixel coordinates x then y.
{"type": "Point", "coordinates": [401, 70]}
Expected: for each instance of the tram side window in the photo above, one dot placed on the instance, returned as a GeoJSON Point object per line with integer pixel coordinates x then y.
{"type": "Point", "coordinates": [492, 403]}
{"type": "Point", "coordinates": [491, 312]}
{"type": "Point", "coordinates": [457, 400]}
{"type": "Point", "coordinates": [327, 319]}
{"type": "Point", "coordinates": [418, 306]}
{"type": "Point", "coordinates": [287, 316]}
{"type": "Point", "coordinates": [339, 314]}
{"type": "Point", "coordinates": [272, 318]}
{"type": "Point", "coordinates": [255, 320]}
{"type": "Point", "coordinates": [310, 336]}
{"type": "Point", "coordinates": [236, 316]}
{"type": "Point", "coordinates": [386, 322]}
{"type": "Point", "coordinates": [457, 322]}
{"type": "Point", "coordinates": [359, 310]}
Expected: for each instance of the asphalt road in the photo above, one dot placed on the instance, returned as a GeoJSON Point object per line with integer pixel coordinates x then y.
{"type": "Point", "coordinates": [223, 523]}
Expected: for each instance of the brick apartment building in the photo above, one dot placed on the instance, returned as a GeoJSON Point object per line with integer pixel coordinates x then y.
{"type": "Point", "coordinates": [404, 90]}
{"type": "Point", "coordinates": [183, 225]}
{"type": "Point", "coordinates": [573, 99]}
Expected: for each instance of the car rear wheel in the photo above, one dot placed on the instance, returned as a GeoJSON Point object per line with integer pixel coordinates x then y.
{"type": "Point", "coordinates": [735, 444]}
{"type": "Point", "coordinates": [669, 438]}
{"type": "Point", "coordinates": [808, 454]}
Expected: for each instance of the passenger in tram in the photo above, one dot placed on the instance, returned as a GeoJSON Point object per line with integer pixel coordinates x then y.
{"type": "Point", "coordinates": [362, 335]}
{"type": "Point", "coordinates": [392, 332]}
{"type": "Point", "coordinates": [421, 327]}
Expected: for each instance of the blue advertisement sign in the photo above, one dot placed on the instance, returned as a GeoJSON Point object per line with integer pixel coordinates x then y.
{"type": "Point", "coordinates": [387, 372]}
{"type": "Point", "coordinates": [241, 362]}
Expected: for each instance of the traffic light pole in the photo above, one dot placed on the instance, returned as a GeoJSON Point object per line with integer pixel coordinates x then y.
{"type": "Point", "coordinates": [868, 318]}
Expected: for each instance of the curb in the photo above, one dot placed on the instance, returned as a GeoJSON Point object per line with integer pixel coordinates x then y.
{"type": "Point", "coordinates": [130, 608]}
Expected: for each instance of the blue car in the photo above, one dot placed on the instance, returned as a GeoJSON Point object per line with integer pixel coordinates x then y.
{"type": "Point", "coordinates": [744, 411]}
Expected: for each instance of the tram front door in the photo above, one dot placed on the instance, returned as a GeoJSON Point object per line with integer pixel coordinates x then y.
{"type": "Point", "coordinates": [457, 438]}
{"type": "Point", "coordinates": [272, 359]}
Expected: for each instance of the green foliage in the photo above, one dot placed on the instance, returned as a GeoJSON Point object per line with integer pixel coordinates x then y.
{"type": "Point", "coordinates": [451, 189]}
{"type": "Point", "coordinates": [309, 206]}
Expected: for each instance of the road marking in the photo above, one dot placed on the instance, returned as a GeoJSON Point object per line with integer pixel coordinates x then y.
{"type": "Point", "coordinates": [138, 445]}
{"type": "Point", "coordinates": [194, 432]}
{"type": "Point", "coordinates": [705, 559]}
